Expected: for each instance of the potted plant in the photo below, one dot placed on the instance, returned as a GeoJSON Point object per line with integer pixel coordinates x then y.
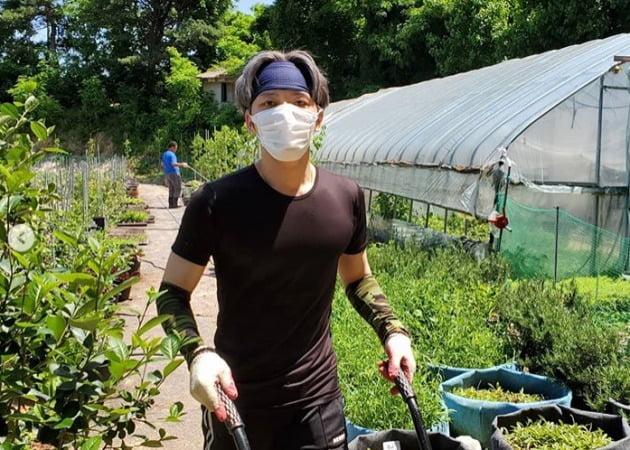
{"type": "Point", "coordinates": [132, 218]}
{"type": "Point", "coordinates": [474, 416]}
{"type": "Point", "coordinates": [189, 188]}
{"type": "Point", "coordinates": [132, 188]}
{"type": "Point", "coordinates": [555, 426]}
{"type": "Point", "coordinates": [136, 203]}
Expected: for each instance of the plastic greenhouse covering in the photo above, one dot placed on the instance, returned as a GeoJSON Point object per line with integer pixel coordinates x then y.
{"type": "Point", "coordinates": [556, 122]}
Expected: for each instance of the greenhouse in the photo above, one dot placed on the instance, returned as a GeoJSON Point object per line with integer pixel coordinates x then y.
{"type": "Point", "coordinates": [555, 125]}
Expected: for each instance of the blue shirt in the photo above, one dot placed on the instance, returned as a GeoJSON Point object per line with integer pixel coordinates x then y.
{"type": "Point", "coordinates": [168, 158]}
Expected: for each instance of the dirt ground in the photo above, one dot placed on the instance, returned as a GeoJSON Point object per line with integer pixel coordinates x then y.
{"type": "Point", "coordinates": [160, 236]}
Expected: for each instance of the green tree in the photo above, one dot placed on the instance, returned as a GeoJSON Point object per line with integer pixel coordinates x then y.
{"type": "Point", "coordinates": [325, 28]}
{"type": "Point", "coordinates": [20, 52]}
{"type": "Point", "coordinates": [467, 34]}
{"type": "Point", "coordinates": [238, 41]}
{"type": "Point", "coordinates": [542, 25]}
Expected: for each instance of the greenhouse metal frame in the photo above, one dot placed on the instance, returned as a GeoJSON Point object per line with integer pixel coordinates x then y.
{"type": "Point", "coordinates": [558, 121]}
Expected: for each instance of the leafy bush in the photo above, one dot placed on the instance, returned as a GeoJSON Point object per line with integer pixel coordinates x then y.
{"type": "Point", "coordinates": [67, 376]}
{"type": "Point", "coordinates": [554, 332]}
{"type": "Point", "coordinates": [391, 206]}
{"type": "Point", "coordinates": [227, 150]}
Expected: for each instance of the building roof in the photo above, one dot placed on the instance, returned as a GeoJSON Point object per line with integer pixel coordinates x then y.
{"type": "Point", "coordinates": [216, 75]}
{"type": "Point", "coordinates": [461, 120]}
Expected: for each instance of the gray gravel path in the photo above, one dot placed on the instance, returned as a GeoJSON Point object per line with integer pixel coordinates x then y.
{"type": "Point", "coordinates": [160, 236]}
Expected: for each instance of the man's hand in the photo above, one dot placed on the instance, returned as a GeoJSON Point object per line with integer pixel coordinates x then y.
{"type": "Point", "coordinates": [184, 164]}
{"type": "Point", "coordinates": [400, 357]}
{"type": "Point", "coordinates": [209, 372]}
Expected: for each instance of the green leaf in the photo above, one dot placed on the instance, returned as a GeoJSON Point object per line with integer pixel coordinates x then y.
{"type": "Point", "coordinates": [65, 423]}
{"type": "Point", "coordinates": [155, 321]}
{"type": "Point", "coordinates": [31, 103]}
{"type": "Point", "coordinates": [39, 130]}
{"type": "Point", "coordinates": [169, 346]}
{"type": "Point", "coordinates": [95, 245]}
{"type": "Point", "coordinates": [66, 238]}
{"type": "Point", "coordinates": [94, 443]}
{"type": "Point", "coordinates": [171, 366]}
{"type": "Point", "coordinates": [71, 277]}
{"type": "Point", "coordinates": [10, 110]}
{"type": "Point", "coordinates": [54, 150]}
{"type": "Point", "coordinates": [118, 348]}
{"type": "Point", "coordinates": [86, 324]}
{"type": "Point", "coordinates": [151, 443]}
{"type": "Point", "coordinates": [86, 308]}
{"type": "Point", "coordinates": [119, 288]}
{"type": "Point", "coordinates": [56, 325]}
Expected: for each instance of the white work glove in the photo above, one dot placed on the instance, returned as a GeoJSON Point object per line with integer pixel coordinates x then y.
{"type": "Point", "coordinates": [400, 357]}
{"type": "Point", "coordinates": [209, 372]}
{"type": "Point", "coordinates": [468, 443]}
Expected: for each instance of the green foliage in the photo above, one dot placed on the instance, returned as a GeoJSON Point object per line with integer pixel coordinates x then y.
{"type": "Point", "coordinates": [543, 434]}
{"type": "Point", "coordinates": [130, 216]}
{"type": "Point", "coordinates": [226, 151]}
{"type": "Point", "coordinates": [238, 42]}
{"type": "Point", "coordinates": [67, 375]}
{"type": "Point", "coordinates": [94, 103]}
{"type": "Point", "coordinates": [603, 289]}
{"type": "Point", "coordinates": [446, 299]}
{"type": "Point", "coordinates": [108, 69]}
{"type": "Point", "coordinates": [37, 86]}
{"type": "Point", "coordinates": [496, 393]}
{"type": "Point", "coordinates": [391, 206]}
{"type": "Point", "coordinates": [554, 332]}
{"type": "Point", "coordinates": [475, 31]}
{"type": "Point", "coordinates": [462, 312]}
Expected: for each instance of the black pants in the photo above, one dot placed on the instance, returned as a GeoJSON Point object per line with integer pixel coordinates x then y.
{"type": "Point", "coordinates": [321, 427]}
{"type": "Point", "coordinates": [174, 182]}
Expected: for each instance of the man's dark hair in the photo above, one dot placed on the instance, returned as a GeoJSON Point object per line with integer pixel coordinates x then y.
{"type": "Point", "coordinates": [303, 61]}
{"type": "Point", "coordinates": [172, 144]}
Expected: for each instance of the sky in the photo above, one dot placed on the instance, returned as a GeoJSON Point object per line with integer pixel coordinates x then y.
{"type": "Point", "coordinates": [244, 6]}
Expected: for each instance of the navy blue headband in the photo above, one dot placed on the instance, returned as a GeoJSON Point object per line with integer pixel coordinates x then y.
{"type": "Point", "coordinates": [280, 75]}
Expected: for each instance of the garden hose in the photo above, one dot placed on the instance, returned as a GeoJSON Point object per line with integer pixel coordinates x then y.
{"type": "Point", "coordinates": [234, 423]}
{"type": "Point", "coordinates": [196, 172]}
{"type": "Point", "coordinates": [409, 396]}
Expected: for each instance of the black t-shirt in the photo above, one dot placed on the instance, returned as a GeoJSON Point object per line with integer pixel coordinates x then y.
{"type": "Point", "coordinates": [275, 260]}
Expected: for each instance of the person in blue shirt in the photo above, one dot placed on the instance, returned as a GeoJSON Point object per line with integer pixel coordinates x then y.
{"type": "Point", "coordinates": [173, 177]}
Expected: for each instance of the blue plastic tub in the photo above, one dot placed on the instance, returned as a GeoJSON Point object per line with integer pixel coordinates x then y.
{"type": "Point", "coordinates": [474, 417]}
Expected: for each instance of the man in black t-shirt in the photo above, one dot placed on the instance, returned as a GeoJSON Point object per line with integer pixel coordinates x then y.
{"type": "Point", "coordinates": [279, 231]}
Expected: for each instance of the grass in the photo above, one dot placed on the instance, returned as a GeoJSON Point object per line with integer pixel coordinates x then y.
{"type": "Point", "coordinates": [445, 302]}
{"type": "Point", "coordinates": [450, 303]}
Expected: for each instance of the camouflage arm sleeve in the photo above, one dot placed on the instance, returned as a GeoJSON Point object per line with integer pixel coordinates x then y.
{"type": "Point", "coordinates": [371, 303]}
{"type": "Point", "coordinates": [175, 301]}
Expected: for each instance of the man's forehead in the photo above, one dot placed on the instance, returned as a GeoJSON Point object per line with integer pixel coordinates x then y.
{"type": "Point", "coordinates": [284, 92]}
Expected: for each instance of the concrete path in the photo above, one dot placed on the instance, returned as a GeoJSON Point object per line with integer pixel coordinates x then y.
{"type": "Point", "coordinates": [160, 237]}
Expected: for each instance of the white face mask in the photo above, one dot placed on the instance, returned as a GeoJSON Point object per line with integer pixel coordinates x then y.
{"type": "Point", "coordinates": [285, 131]}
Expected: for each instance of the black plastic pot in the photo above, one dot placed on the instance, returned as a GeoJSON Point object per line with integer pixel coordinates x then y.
{"type": "Point", "coordinates": [99, 221]}
{"type": "Point", "coordinates": [615, 407]}
{"type": "Point", "coordinates": [404, 440]}
{"type": "Point", "coordinates": [614, 426]}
